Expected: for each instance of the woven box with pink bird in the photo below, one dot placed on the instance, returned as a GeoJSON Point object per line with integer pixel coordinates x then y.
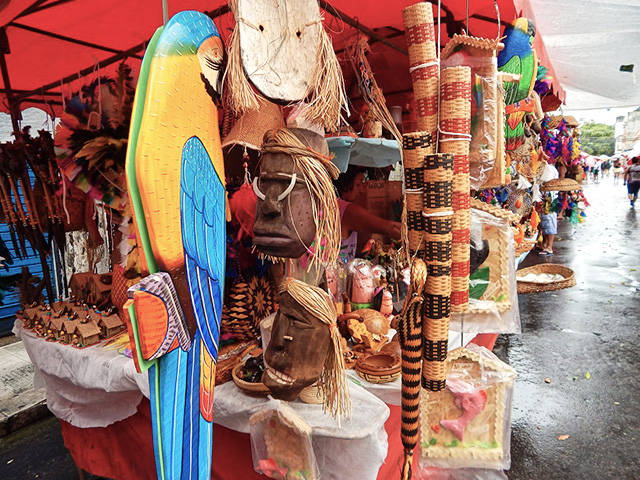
{"type": "Point", "coordinates": [468, 424]}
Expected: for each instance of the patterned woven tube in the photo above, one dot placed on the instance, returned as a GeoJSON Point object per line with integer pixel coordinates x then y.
{"type": "Point", "coordinates": [438, 220]}
{"type": "Point", "coordinates": [410, 333]}
{"type": "Point", "coordinates": [416, 146]}
{"type": "Point", "coordinates": [455, 121]}
{"type": "Point", "coordinates": [421, 47]}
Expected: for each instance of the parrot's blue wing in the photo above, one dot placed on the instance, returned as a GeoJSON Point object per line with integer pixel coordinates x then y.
{"type": "Point", "coordinates": [202, 198]}
{"type": "Point", "coordinates": [202, 212]}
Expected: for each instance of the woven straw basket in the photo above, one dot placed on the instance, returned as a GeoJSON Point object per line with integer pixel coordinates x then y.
{"type": "Point", "coordinates": [552, 268]}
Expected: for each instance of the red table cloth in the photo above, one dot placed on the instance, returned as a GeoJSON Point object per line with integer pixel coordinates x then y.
{"type": "Point", "coordinates": [124, 450]}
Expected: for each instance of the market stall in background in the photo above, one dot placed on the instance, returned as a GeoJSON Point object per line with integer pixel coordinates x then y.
{"type": "Point", "coordinates": [335, 223]}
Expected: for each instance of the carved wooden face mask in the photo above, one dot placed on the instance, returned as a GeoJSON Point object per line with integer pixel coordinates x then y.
{"type": "Point", "coordinates": [295, 203]}
{"type": "Point", "coordinates": [297, 351]}
{"type": "Point", "coordinates": [284, 225]}
{"type": "Point", "coordinates": [276, 45]}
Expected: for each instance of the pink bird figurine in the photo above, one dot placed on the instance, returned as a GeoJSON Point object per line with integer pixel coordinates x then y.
{"type": "Point", "coordinates": [467, 399]}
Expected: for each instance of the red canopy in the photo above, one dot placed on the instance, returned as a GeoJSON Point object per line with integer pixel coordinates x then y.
{"type": "Point", "coordinates": [51, 44]}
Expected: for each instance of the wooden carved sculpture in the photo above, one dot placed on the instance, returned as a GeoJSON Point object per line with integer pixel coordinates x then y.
{"type": "Point", "coordinates": [305, 348]}
{"type": "Point", "coordinates": [175, 175]}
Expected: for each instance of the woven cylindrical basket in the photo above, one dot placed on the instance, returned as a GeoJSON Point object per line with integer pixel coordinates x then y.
{"type": "Point", "coordinates": [438, 213]}
{"type": "Point", "coordinates": [455, 128]}
{"type": "Point", "coordinates": [416, 146]}
{"type": "Point", "coordinates": [423, 67]}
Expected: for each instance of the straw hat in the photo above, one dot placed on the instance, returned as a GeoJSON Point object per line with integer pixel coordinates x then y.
{"type": "Point", "coordinates": [250, 127]}
{"type": "Point", "coordinates": [561, 185]}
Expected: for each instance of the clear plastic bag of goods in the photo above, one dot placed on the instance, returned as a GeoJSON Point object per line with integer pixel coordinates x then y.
{"type": "Point", "coordinates": [484, 147]}
{"type": "Point", "coordinates": [467, 425]}
{"type": "Point", "coordinates": [361, 283]}
{"type": "Point", "coordinates": [281, 444]}
{"type": "Point", "coordinates": [493, 290]}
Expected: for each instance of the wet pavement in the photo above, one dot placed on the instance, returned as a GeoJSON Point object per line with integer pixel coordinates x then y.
{"type": "Point", "coordinates": [583, 339]}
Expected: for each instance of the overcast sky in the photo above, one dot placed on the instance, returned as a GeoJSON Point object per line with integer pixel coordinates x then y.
{"type": "Point", "coordinates": [600, 115]}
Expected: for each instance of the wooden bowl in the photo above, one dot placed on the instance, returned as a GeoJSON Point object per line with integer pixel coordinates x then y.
{"type": "Point", "coordinates": [379, 368]}
{"type": "Point", "coordinates": [258, 388]}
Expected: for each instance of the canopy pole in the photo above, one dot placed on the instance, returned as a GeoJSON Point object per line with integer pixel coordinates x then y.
{"type": "Point", "coordinates": [357, 25]}
{"type": "Point", "coordinates": [165, 12]}
{"type": "Point", "coordinates": [65, 38]}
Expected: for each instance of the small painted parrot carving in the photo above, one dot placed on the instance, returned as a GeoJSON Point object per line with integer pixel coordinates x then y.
{"type": "Point", "coordinates": [518, 57]}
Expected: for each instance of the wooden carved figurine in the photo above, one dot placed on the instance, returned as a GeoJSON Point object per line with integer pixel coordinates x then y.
{"type": "Point", "coordinates": [297, 209]}
{"type": "Point", "coordinates": [305, 348]}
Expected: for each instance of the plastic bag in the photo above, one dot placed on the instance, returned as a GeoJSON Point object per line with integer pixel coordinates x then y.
{"type": "Point", "coordinates": [281, 444]}
{"type": "Point", "coordinates": [360, 283]}
{"type": "Point", "coordinates": [336, 278]}
{"type": "Point", "coordinates": [493, 290]}
{"type": "Point", "coordinates": [484, 148]}
{"type": "Point", "coordinates": [468, 424]}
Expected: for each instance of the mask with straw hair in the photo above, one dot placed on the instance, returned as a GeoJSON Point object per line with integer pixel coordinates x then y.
{"type": "Point", "coordinates": [285, 53]}
{"type": "Point", "coordinates": [313, 172]}
{"type": "Point", "coordinates": [332, 381]}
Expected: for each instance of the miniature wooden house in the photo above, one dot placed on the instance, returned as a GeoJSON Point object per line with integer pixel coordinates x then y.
{"type": "Point", "coordinates": [55, 327]}
{"type": "Point", "coordinates": [79, 285]}
{"type": "Point", "coordinates": [87, 334]}
{"type": "Point", "coordinates": [99, 289]}
{"type": "Point", "coordinates": [68, 327]}
{"type": "Point", "coordinates": [110, 325]}
{"type": "Point", "coordinates": [28, 316]}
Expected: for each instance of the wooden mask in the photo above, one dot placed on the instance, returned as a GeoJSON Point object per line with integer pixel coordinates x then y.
{"type": "Point", "coordinates": [276, 44]}
{"type": "Point", "coordinates": [282, 49]}
{"type": "Point", "coordinates": [297, 351]}
{"type": "Point", "coordinates": [296, 206]}
{"type": "Point", "coordinates": [284, 225]}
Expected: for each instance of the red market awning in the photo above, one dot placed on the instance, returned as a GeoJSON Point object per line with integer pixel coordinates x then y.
{"type": "Point", "coordinates": [50, 45]}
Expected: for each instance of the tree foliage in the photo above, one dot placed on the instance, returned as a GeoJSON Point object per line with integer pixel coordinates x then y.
{"type": "Point", "coordinates": [597, 139]}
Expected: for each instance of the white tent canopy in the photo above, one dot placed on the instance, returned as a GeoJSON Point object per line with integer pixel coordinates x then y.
{"type": "Point", "coordinates": [587, 41]}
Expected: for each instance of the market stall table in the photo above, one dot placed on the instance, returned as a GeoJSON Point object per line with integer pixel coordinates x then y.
{"type": "Point", "coordinates": [106, 422]}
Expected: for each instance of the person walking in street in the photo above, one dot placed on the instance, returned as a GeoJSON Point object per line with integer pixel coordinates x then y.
{"type": "Point", "coordinates": [617, 172]}
{"type": "Point", "coordinates": [632, 178]}
{"type": "Point", "coordinates": [548, 226]}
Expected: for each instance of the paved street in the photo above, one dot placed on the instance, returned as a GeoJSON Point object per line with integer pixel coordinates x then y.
{"type": "Point", "coordinates": [584, 340]}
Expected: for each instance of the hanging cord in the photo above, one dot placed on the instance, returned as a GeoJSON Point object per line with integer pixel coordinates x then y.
{"type": "Point", "coordinates": [438, 60]}
{"type": "Point", "coordinates": [467, 5]}
{"type": "Point", "coordinates": [165, 12]}
{"type": "Point", "coordinates": [495, 3]}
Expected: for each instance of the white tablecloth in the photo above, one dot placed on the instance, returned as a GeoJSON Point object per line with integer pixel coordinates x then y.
{"type": "Point", "coordinates": [355, 448]}
{"type": "Point", "coordinates": [89, 387]}
{"type": "Point", "coordinates": [94, 387]}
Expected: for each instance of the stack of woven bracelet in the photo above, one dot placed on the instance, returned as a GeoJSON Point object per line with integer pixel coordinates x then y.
{"type": "Point", "coordinates": [416, 146]}
{"type": "Point", "coordinates": [423, 65]}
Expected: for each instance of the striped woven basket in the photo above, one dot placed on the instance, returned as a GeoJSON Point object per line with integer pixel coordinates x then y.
{"type": "Point", "coordinates": [421, 47]}
{"type": "Point", "coordinates": [438, 212]}
{"type": "Point", "coordinates": [455, 128]}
